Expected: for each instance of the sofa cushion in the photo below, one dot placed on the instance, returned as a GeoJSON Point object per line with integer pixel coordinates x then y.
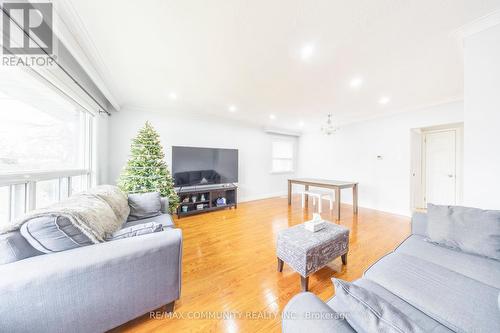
{"type": "Point", "coordinates": [419, 224]}
{"type": "Point", "coordinates": [418, 317]}
{"type": "Point", "coordinates": [136, 230]}
{"type": "Point", "coordinates": [144, 205]}
{"type": "Point", "coordinates": [50, 234]}
{"type": "Point", "coordinates": [305, 312]}
{"type": "Point", "coordinates": [471, 230]}
{"type": "Point", "coordinates": [367, 311]}
{"type": "Point", "coordinates": [457, 301]}
{"type": "Point", "coordinates": [165, 219]}
{"type": "Point", "coordinates": [99, 212]}
{"type": "Point", "coordinates": [476, 267]}
{"type": "Point", "coordinates": [14, 247]}
{"type": "Point", "coordinates": [165, 205]}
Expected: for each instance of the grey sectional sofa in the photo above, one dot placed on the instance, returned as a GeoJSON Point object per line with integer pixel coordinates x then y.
{"type": "Point", "coordinates": [438, 288]}
{"type": "Point", "coordinates": [92, 288]}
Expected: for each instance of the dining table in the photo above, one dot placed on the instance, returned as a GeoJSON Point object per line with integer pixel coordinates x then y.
{"type": "Point", "coordinates": [335, 185]}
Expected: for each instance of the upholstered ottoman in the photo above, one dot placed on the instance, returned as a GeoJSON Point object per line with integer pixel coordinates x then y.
{"type": "Point", "coordinates": [306, 251]}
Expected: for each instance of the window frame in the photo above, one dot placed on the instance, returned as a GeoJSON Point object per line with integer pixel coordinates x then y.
{"type": "Point", "coordinates": [30, 178]}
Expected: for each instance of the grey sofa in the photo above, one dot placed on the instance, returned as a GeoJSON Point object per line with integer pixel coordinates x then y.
{"type": "Point", "coordinates": [438, 288]}
{"type": "Point", "coordinates": [93, 288]}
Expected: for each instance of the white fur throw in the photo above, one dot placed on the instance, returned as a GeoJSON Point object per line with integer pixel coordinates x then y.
{"type": "Point", "coordinates": [116, 199]}
{"type": "Point", "coordinates": [96, 213]}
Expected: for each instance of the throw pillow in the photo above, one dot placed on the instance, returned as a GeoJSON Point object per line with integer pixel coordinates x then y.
{"type": "Point", "coordinates": [472, 230]}
{"type": "Point", "coordinates": [144, 205]}
{"type": "Point", "coordinates": [367, 312]}
{"type": "Point", "coordinates": [136, 230]}
{"type": "Point", "coordinates": [50, 234]}
{"type": "Point", "coordinates": [14, 247]}
{"type": "Point", "coordinates": [165, 208]}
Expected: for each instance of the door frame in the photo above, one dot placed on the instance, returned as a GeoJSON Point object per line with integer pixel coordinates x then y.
{"type": "Point", "coordinates": [418, 161]}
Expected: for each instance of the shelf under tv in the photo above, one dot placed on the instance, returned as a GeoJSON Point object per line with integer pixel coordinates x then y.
{"type": "Point", "coordinates": [195, 203]}
{"type": "Point", "coordinates": [228, 191]}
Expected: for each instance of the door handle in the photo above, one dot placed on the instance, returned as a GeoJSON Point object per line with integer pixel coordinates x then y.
{"type": "Point", "coordinates": [450, 176]}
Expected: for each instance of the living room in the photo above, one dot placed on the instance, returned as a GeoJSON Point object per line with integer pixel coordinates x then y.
{"type": "Point", "coordinates": [250, 166]}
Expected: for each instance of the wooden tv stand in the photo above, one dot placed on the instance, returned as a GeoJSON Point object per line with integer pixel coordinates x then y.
{"type": "Point", "coordinates": [210, 193]}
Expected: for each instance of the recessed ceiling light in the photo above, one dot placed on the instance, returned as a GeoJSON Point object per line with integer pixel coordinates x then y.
{"type": "Point", "coordinates": [232, 108]}
{"type": "Point", "coordinates": [356, 82]}
{"type": "Point", "coordinates": [301, 124]}
{"type": "Point", "coordinates": [272, 116]}
{"type": "Point", "coordinates": [172, 96]}
{"type": "Point", "coordinates": [307, 51]}
{"type": "Point", "coordinates": [384, 100]}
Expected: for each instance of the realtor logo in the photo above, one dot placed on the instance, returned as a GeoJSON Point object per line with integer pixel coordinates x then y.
{"type": "Point", "coordinates": [27, 28]}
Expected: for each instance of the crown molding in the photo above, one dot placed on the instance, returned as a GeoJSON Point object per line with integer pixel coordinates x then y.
{"type": "Point", "coordinates": [402, 111]}
{"type": "Point", "coordinates": [171, 111]}
{"type": "Point", "coordinates": [483, 23]}
{"type": "Point", "coordinates": [72, 32]}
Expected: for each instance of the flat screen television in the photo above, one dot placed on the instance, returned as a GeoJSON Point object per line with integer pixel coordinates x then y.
{"type": "Point", "coordinates": [204, 166]}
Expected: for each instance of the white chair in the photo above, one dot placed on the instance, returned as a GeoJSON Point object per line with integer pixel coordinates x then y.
{"type": "Point", "coordinates": [320, 195]}
{"type": "Point", "coordinates": [328, 195]}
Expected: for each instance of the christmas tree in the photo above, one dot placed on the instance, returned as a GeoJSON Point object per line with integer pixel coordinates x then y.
{"type": "Point", "coordinates": [146, 170]}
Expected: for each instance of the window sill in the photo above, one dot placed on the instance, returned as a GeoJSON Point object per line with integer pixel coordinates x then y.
{"type": "Point", "coordinates": [281, 172]}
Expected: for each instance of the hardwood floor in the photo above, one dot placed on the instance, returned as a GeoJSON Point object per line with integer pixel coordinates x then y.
{"type": "Point", "coordinates": [229, 265]}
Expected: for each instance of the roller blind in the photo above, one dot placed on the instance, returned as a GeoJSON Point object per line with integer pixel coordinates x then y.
{"type": "Point", "coordinates": [65, 74]}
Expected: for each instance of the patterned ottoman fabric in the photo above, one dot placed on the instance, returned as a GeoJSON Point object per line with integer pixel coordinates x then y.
{"type": "Point", "coordinates": [306, 251]}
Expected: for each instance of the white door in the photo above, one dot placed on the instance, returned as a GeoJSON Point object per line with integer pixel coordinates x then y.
{"type": "Point", "coordinates": [440, 167]}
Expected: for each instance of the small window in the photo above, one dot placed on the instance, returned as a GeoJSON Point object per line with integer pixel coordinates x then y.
{"type": "Point", "coordinates": [282, 156]}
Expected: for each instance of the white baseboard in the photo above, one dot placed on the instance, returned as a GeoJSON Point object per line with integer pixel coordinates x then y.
{"type": "Point", "coordinates": [261, 196]}
{"type": "Point", "coordinates": [284, 194]}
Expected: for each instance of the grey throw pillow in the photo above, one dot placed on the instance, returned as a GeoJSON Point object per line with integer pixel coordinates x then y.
{"type": "Point", "coordinates": [50, 234]}
{"type": "Point", "coordinates": [367, 312]}
{"type": "Point", "coordinates": [144, 205]}
{"type": "Point", "coordinates": [470, 230]}
{"type": "Point", "coordinates": [136, 230]}
{"type": "Point", "coordinates": [14, 247]}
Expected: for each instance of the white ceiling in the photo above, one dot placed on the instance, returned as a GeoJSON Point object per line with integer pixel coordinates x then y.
{"type": "Point", "coordinates": [218, 53]}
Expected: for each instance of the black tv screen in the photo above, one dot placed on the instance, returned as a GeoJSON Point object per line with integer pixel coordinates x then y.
{"type": "Point", "coordinates": [204, 166]}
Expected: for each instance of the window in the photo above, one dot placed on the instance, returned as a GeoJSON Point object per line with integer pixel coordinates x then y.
{"type": "Point", "coordinates": [79, 183]}
{"type": "Point", "coordinates": [12, 202]}
{"type": "Point", "coordinates": [39, 129]}
{"type": "Point", "coordinates": [47, 192]}
{"type": "Point", "coordinates": [45, 142]}
{"type": "Point", "coordinates": [282, 155]}
{"type": "Point", "coordinates": [4, 206]}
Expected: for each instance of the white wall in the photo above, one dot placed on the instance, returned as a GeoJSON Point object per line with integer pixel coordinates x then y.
{"type": "Point", "coordinates": [101, 141]}
{"type": "Point", "coordinates": [255, 179]}
{"type": "Point", "coordinates": [351, 154]}
{"type": "Point", "coordinates": [482, 119]}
